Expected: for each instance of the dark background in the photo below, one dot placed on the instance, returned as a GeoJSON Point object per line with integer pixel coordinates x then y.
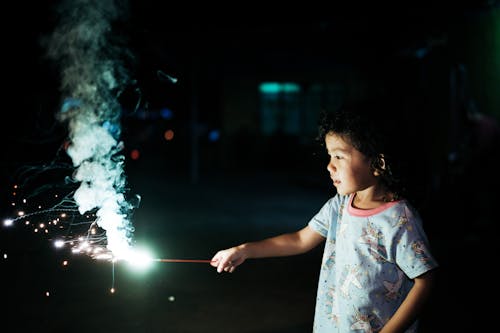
{"type": "Point", "coordinates": [202, 193]}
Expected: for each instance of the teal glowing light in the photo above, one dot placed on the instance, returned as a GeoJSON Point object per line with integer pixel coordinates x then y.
{"type": "Point", "coordinates": [278, 87]}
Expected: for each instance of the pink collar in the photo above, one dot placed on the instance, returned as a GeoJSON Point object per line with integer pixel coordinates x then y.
{"type": "Point", "coordinates": [367, 212]}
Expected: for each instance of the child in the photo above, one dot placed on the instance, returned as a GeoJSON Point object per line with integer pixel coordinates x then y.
{"type": "Point", "coordinates": [376, 271]}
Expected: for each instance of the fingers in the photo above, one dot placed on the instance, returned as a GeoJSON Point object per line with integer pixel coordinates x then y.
{"type": "Point", "coordinates": [217, 259]}
{"type": "Point", "coordinates": [220, 261]}
{"type": "Point", "coordinates": [214, 262]}
{"type": "Point", "coordinates": [229, 267]}
{"type": "Point", "coordinates": [226, 260]}
{"type": "Point", "coordinates": [225, 265]}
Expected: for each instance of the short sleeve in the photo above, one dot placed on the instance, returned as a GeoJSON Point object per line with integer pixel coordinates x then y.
{"type": "Point", "coordinates": [322, 221]}
{"type": "Point", "coordinates": [413, 255]}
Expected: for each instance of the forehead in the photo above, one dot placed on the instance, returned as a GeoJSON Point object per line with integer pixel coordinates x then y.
{"type": "Point", "coordinates": [336, 142]}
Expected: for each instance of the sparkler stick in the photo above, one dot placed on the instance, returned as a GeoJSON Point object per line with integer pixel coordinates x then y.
{"type": "Point", "coordinates": [200, 261]}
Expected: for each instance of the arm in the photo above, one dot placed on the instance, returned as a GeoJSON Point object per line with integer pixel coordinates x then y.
{"type": "Point", "coordinates": [412, 305]}
{"type": "Point", "coordinates": [283, 245]}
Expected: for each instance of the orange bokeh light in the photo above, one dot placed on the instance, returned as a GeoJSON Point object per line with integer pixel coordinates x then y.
{"type": "Point", "coordinates": [168, 135]}
{"type": "Point", "coordinates": [134, 154]}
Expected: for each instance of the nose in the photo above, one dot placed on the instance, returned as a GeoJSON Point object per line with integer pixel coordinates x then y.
{"type": "Point", "coordinates": [330, 167]}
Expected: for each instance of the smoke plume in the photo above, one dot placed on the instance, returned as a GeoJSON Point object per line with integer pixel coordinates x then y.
{"type": "Point", "coordinates": [92, 62]}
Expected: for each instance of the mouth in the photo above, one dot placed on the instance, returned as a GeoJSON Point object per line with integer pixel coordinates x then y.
{"type": "Point", "coordinates": [336, 182]}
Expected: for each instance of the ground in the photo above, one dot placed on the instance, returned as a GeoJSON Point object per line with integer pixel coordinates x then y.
{"type": "Point", "coordinates": [179, 219]}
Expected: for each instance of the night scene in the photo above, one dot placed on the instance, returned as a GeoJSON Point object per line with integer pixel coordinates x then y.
{"type": "Point", "coordinates": [170, 169]}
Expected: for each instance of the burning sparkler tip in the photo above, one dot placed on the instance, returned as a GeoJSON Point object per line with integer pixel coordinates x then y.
{"type": "Point", "coordinates": [8, 222]}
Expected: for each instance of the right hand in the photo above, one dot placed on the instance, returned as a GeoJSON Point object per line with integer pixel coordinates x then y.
{"type": "Point", "coordinates": [227, 260]}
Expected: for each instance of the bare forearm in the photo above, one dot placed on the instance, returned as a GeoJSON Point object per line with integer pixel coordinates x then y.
{"type": "Point", "coordinates": [279, 246]}
{"type": "Point", "coordinates": [412, 306]}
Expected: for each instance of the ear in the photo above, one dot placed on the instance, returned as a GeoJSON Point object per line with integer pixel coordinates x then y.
{"type": "Point", "coordinates": [379, 165]}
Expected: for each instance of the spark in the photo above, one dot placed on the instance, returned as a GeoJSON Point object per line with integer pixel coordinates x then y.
{"type": "Point", "coordinates": [165, 77]}
{"type": "Point", "coordinates": [65, 227]}
{"type": "Point", "coordinates": [81, 234]}
{"type": "Point", "coordinates": [67, 230]}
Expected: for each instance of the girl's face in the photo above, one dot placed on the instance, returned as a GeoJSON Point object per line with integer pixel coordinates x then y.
{"type": "Point", "coordinates": [349, 169]}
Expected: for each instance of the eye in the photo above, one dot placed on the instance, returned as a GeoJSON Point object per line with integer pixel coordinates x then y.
{"type": "Point", "coordinates": [334, 156]}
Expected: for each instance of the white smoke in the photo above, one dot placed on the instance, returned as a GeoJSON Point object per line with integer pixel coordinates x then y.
{"type": "Point", "coordinates": [92, 77]}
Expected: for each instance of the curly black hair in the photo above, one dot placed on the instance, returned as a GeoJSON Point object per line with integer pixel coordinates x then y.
{"type": "Point", "coordinates": [369, 126]}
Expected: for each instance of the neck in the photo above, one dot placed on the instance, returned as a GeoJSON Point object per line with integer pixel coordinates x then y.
{"type": "Point", "coordinates": [371, 198]}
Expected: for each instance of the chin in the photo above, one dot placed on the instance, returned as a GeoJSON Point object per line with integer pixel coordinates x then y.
{"type": "Point", "coordinates": [339, 191]}
{"type": "Point", "coordinates": [343, 192]}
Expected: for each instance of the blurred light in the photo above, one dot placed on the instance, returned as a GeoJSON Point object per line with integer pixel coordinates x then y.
{"type": "Point", "coordinates": [163, 113]}
{"type": "Point", "coordinates": [168, 135]}
{"type": "Point", "coordinates": [134, 154]}
{"type": "Point", "coordinates": [269, 87]}
{"type": "Point", "coordinates": [421, 52]}
{"type": "Point", "coordinates": [166, 113]}
{"type": "Point", "coordinates": [276, 87]}
{"type": "Point", "coordinates": [290, 87]}
{"type": "Point", "coordinates": [8, 222]}
{"type": "Point", "coordinates": [214, 135]}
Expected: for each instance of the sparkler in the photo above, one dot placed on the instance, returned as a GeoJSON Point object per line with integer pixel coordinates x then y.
{"type": "Point", "coordinates": [94, 217]}
{"type": "Point", "coordinates": [66, 228]}
{"type": "Point", "coordinates": [92, 242]}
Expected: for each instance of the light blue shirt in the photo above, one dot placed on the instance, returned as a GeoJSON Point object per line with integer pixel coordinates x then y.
{"type": "Point", "coordinates": [369, 261]}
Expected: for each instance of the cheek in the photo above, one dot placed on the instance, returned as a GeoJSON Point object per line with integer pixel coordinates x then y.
{"type": "Point", "coordinates": [361, 172]}
{"type": "Point", "coordinates": [365, 176]}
